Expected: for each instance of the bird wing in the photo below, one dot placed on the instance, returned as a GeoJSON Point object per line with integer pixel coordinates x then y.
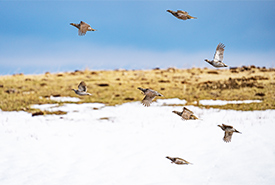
{"type": "Point", "coordinates": [187, 110]}
{"type": "Point", "coordinates": [154, 93]}
{"type": "Point", "coordinates": [83, 28]}
{"type": "Point", "coordinates": [181, 161]}
{"type": "Point", "coordinates": [227, 126]}
{"type": "Point", "coordinates": [82, 87]}
{"type": "Point", "coordinates": [182, 12]}
{"type": "Point", "coordinates": [181, 15]}
{"type": "Point", "coordinates": [179, 158]}
{"type": "Point", "coordinates": [219, 52]}
{"type": "Point", "coordinates": [227, 136]}
{"type": "Point", "coordinates": [151, 93]}
{"type": "Point", "coordinates": [147, 100]}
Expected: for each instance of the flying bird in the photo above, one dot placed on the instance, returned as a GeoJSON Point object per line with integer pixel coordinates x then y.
{"type": "Point", "coordinates": [82, 89]}
{"type": "Point", "coordinates": [228, 132]}
{"type": "Point", "coordinates": [82, 28]}
{"type": "Point", "coordinates": [149, 96]}
{"type": "Point", "coordinates": [178, 160]}
{"type": "Point", "coordinates": [181, 14]}
{"type": "Point", "coordinates": [218, 57]}
{"type": "Point", "coordinates": [186, 114]}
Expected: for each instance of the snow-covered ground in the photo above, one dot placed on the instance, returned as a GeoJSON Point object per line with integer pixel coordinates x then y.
{"type": "Point", "coordinates": [64, 99]}
{"type": "Point", "coordinates": [223, 102]}
{"type": "Point", "coordinates": [127, 145]}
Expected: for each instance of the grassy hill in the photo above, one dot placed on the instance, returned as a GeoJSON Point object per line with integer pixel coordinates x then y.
{"type": "Point", "coordinates": [19, 91]}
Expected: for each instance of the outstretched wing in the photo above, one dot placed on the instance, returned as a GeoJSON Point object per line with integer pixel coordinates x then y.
{"type": "Point", "coordinates": [147, 100]}
{"type": "Point", "coordinates": [181, 12]}
{"type": "Point", "coordinates": [219, 52]}
{"type": "Point", "coordinates": [182, 15]}
{"type": "Point", "coordinates": [227, 136]}
{"type": "Point", "coordinates": [82, 87]}
{"type": "Point", "coordinates": [227, 126]}
{"type": "Point", "coordinates": [181, 161]}
{"type": "Point", "coordinates": [187, 110]}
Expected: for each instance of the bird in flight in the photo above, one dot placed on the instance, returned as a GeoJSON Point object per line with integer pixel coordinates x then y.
{"type": "Point", "coordinates": [186, 114]}
{"type": "Point", "coordinates": [181, 14]}
{"type": "Point", "coordinates": [82, 28]}
{"type": "Point", "coordinates": [228, 132]}
{"type": "Point", "coordinates": [149, 96]}
{"type": "Point", "coordinates": [218, 57]}
{"type": "Point", "coordinates": [178, 160]}
{"type": "Point", "coordinates": [82, 89]}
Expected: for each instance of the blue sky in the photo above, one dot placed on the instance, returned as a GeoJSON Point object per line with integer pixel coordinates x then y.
{"type": "Point", "coordinates": [35, 36]}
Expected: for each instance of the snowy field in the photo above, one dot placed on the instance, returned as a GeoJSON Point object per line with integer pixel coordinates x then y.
{"type": "Point", "coordinates": [127, 144]}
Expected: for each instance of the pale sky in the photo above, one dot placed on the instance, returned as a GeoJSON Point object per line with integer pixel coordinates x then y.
{"type": "Point", "coordinates": [36, 36]}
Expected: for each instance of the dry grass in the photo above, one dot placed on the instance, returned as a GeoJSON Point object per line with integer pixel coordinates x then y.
{"type": "Point", "coordinates": [19, 92]}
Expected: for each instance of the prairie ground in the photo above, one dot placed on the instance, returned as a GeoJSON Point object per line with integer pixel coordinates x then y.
{"type": "Point", "coordinates": [19, 91]}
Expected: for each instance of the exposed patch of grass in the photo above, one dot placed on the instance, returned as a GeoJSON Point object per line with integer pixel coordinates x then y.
{"type": "Point", "coordinates": [19, 92]}
{"type": "Point", "coordinates": [39, 113]}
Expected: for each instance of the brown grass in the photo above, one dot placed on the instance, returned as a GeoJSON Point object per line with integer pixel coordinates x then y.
{"type": "Point", "coordinates": [19, 92]}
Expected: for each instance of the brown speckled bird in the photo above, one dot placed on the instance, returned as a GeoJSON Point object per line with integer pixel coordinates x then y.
{"type": "Point", "coordinates": [82, 89]}
{"type": "Point", "coordinates": [183, 15]}
{"type": "Point", "coordinates": [178, 160]}
{"type": "Point", "coordinates": [186, 114]}
{"type": "Point", "coordinates": [218, 57]}
{"type": "Point", "coordinates": [82, 28]}
{"type": "Point", "coordinates": [149, 96]}
{"type": "Point", "coordinates": [228, 132]}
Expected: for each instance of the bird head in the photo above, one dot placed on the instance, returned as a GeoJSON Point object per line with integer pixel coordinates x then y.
{"type": "Point", "coordinates": [160, 94]}
{"type": "Point", "coordinates": [143, 90]}
{"type": "Point", "coordinates": [206, 60]}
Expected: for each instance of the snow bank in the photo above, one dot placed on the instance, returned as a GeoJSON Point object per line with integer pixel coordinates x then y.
{"type": "Point", "coordinates": [172, 101]}
{"type": "Point", "coordinates": [130, 148]}
{"type": "Point", "coordinates": [65, 99]}
{"type": "Point", "coordinates": [224, 102]}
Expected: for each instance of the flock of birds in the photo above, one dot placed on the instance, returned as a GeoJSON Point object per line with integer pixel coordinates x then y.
{"type": "Point", "coordinates": [150, 94]}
